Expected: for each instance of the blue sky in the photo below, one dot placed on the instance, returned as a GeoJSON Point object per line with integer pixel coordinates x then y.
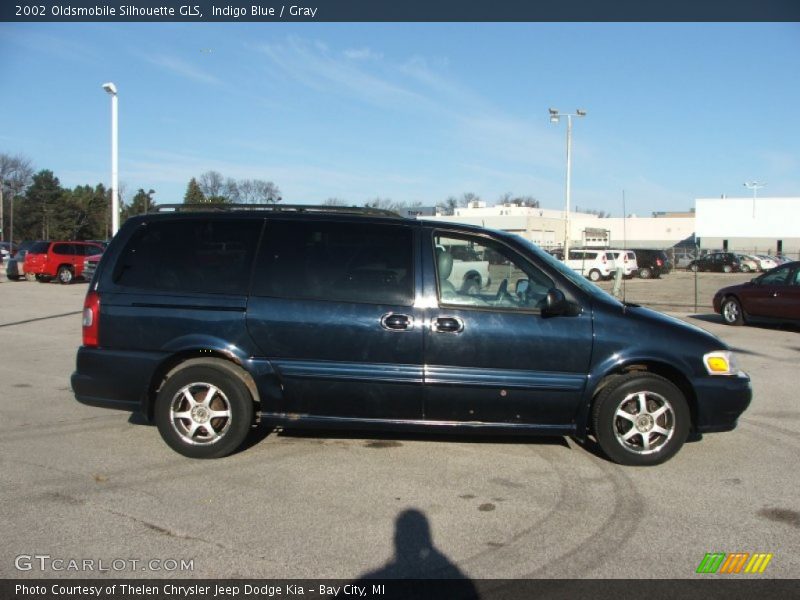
{"type": "Point", "coordinates": [413, 112]}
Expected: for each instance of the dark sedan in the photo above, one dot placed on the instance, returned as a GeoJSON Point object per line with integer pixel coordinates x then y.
{"type": "Point", "coordinates": [774, 296]}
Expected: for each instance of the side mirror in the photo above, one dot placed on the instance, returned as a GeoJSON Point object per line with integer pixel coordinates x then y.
{"type": "Point", "coordinates": [555, 303]}
{"type": "Point", "coordinates": [522, 286]}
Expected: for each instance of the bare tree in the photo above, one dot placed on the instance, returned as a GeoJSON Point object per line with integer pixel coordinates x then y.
{"type": "Point", "coordinates": [334, 202]}
{"type": "Point", "coordinates": [16, 174]}
{"type": "Point", "coordinates": [211, 183]}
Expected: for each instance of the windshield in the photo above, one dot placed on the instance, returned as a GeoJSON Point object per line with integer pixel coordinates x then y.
{"type": "Point", "coordinates": [579, 280]}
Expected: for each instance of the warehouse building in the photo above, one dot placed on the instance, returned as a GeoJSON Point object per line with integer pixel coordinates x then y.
{"type": "Point", "coordinates": [762, 225]}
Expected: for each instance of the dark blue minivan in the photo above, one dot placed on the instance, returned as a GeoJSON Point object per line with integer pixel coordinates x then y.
{"type": "Point", "coordinates": [207, 322]}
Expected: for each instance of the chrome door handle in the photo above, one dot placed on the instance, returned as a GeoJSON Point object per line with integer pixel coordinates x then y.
{"type": "Point", "coordinates": [447, 325]}
{"type": "Point", "coordinates": [397, 322]}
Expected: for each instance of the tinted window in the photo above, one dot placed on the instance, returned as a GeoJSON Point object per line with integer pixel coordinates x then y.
{"type": "Point", "coordinates": [350, 262]}
{"type": "Point", "coordinates": [776, 277]}
{"type": "Point", "coordinates": [39, 248]}
{"type": "Point", "coordinates": [63, 249]}
{"type": "Point", "coordinates": [193, 255]}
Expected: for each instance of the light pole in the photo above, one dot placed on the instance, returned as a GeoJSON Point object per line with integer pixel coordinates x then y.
{"type": "Point", "coordinates": [112, 90]}
{"type": "Point", "coordinates": [555, 117]}
{"type": "Point", "coordinates": [755, 186]}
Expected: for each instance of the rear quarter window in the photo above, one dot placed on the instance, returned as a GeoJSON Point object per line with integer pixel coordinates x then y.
{"type": "Point", "coordinates": [190, 256]}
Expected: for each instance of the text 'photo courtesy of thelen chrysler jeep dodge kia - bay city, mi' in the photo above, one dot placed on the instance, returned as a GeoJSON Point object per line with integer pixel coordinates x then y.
{"type": "Point", "coordinates": [210, 322]}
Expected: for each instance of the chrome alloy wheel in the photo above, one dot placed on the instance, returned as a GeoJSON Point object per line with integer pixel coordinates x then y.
{"type": "Point", "coordinates": [644, 422]}
{"type": "Point", "coordinates": [730, 311]}
{"type": "Point", "coordinates": [200, 414]}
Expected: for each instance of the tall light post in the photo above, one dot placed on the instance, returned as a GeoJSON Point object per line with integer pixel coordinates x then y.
{"type": "Point", "coordinates": [755, 186]}
{"type": "Point", "coordinates": [112, 90]}
{"type": "Point", "coordinates": [555, 117]}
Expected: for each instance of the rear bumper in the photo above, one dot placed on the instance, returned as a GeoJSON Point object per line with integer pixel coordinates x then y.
{"type": "Point", "coordinates": [721, 401]}
{"type": "Point", "coordinates": [113, 378]}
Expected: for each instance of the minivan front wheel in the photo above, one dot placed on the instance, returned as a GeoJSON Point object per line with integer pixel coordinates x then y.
{"type": "Point", "coordinates": [204, 412]}
{"type": "Point", "coordinates": [641, 419]}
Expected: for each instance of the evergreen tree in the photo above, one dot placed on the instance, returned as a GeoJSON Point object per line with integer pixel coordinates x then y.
{"type": "Point", "coordinates": [194, 195]}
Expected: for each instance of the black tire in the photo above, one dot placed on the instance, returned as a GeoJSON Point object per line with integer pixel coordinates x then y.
{"type": "Point", "coordinates": [693, 268]}
{"type": "Point", "coordinates": [190, 435]}
{"type": "Point", "coordinates": [645, 273]}
{"type": "Point", "coordinates": [624, 395]}
{"type": "Point", "coordinates": [42, 278]}
{"type": "Point", "coordinates": [30, 277]}
{"type": "Point", "coordinates": [595, 275]}
{"type": "Point", "coordinates": [727, 268]}
{"type": "Point", "coordinates": [731, 311]}
{"type": "Point", "coordinates": [65, 275]}
{"type": "Point", "coordinates": [745, 269]}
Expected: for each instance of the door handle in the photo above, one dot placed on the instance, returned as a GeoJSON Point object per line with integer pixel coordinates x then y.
{"type": "Point", "coordinates": [447, 325]}
{"type": "Point", "coordinates": [397, 322]}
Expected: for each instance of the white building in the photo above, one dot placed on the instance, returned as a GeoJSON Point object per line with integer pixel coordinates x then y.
{"type": "Point", "coordinates": [770, 225]}
{"type": "Point", "coordinates": [547, 227]}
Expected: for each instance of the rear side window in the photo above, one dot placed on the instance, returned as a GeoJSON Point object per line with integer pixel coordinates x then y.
{"type": "Point", "coordinates": [39, 248]}
{"type": "Point", "coordinates": [63, 249]}
{"type": "Point", "coordinates": [348, 262]}
{"type": "Point", "coordinates": [191, 256]}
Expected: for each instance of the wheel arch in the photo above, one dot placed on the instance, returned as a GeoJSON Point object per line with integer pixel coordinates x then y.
{"type": "Point", "coordinates": [663, 369]}
{"type": "Point", "coordinates": [197, 357]}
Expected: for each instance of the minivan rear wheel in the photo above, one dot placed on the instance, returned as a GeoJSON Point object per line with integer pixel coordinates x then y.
{"type": "Point", "coordinates": [645, 273]}
{"type": "Point", "coordinates": [640, 419]}
{"type": "Point", "coordinates": [204, 412]}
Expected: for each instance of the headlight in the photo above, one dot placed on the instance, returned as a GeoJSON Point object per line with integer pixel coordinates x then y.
{"type": "Point", "coordinates": [721, 362]}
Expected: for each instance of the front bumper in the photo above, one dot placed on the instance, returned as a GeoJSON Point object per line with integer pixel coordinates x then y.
{"type": "Point", "coordinates": [721, 401]}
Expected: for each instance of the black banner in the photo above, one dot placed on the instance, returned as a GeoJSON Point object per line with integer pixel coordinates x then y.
{"type": "Point", "coordinates": [728, 588]}
{"type": "Point", "coordinates": [399, 10]}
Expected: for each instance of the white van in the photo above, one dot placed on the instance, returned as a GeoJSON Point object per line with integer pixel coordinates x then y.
{"type": "Point", "coordinates": [627, 260]}
{"type": "Point", "coordinates": [595, 264]}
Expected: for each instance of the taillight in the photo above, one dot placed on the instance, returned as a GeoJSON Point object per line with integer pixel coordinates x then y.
{"type": "Point", "coordinates": [659, 262]}
{"type": "Point", "coordinates": [91, 319]}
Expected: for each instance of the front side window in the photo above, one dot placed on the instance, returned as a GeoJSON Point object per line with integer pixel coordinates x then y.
{"type": "Point", "coordinates": [346, 262]}
{"type": "Point", "coordinates": [776, 277]}
{"type": "Point", "coordinates": [498, 278]}
{"type": "Point", "coordinates": [190, 256]}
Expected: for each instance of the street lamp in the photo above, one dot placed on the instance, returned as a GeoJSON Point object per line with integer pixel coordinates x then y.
{"type": "Point", "coordinates": [112, 90]}
{"type": "Point", "coordinates": [555, 117]}
{"type": "Point", "coordinates": [755, 186]}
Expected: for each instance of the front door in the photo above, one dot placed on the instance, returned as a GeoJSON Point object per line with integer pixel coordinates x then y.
{"type": "Point", "coordinates": [332, 309]}
{"type": "Point", "coordinates": [775, 295]}
{"type": "Point", "coordinates": [491, 356]}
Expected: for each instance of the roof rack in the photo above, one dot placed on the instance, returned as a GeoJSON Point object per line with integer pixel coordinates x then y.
{"type": "Point", "coordinates": [278, 208]}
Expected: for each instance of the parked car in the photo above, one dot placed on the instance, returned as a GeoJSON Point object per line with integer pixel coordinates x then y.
{"type": "Point", "coordinates": [345, 317]}
{"type": "Point", "coordinates": [724, 262]}
{"type": "Point", "coordinates": [775, 296]}
{"type": "Point", "coordinates": [748, 263]}
{"type": "Point", "coordinates": [61, 260]}
{"type": "Point", "coordinates": [651, 263]}
{"type": "Point", "coordinates": [684, 256]}
{"type": "Point", "coordinates": [90, 266]}
{"type": "Point", "coordinates": [766, 262]}
{"type": "Point", "coordinates": [7, 250]}
{"type": "Point", "coordinates": [627, 260]}
{"type": "Point", "coordinates": [15, 266]}
{"type": "Point", "coordinates": [596, 264]}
